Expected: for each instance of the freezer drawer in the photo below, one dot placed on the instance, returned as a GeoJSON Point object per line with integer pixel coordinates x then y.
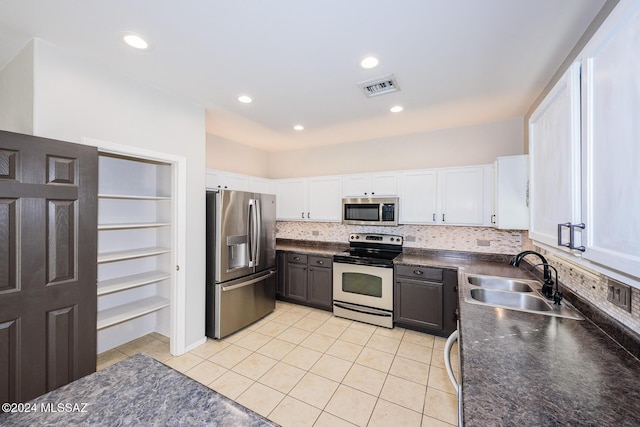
{"type": "Point", "coordinates": [235, 304]}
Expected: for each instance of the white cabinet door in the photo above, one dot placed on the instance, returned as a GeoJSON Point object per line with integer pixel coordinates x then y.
{"type": "Point", "coordinates": [213, 179]}
{"type": "Point", "coordinates": [291, 199]}
{"type": "Point", "coordinates": [371, 185]}
{"type": "Point", "coordinates": [325, 199]}
{"type": "Point", "coordinates": [384, 184]}
{"type": "Point", "coordinates": [611, 141]}
{"type": "Point", "coordinates": [461, 196]}
{"type": "Point", "coordinates": [260, 185]}
{"type": "Point", "coordinates": [356, 186]}
{"type": "Point", "coordinates": [511, 204]}
{"type": "Point", "coordinates": [235, 181]}
{"type": "Point", "coordinates": [418, 197]}
{"type": "Point", "coordinates": [554, 147]}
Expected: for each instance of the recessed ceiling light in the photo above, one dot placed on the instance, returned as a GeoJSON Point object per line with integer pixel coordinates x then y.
{"type": "Point", "coordinates": [245, 99]}
{"type": "Point", "coordinates": [136, 41]}
{"type": "Point", "coordinates": [298, 127]}
{"type": "Point", "coordinates": [396, 109]}
{"type": "Point", "coordinates": [369, 62]}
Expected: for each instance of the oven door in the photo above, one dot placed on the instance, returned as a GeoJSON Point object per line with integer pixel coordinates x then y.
{"type": "Point", "coordinates": [363, 285]}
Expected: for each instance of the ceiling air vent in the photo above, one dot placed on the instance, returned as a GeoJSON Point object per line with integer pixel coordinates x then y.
{"type": "Point", "coordinates": [379, 86]}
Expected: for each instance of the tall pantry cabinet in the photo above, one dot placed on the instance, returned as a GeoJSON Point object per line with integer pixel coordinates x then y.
{"type": "Point", "coordinates": [135, 256]}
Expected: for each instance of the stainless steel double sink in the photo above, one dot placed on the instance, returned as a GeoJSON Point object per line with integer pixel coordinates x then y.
{"type": "Point", "coordinates": [513, 294]}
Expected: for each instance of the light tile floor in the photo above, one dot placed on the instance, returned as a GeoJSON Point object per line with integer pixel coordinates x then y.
{"type": "Point", "coordinates": [304, 367]}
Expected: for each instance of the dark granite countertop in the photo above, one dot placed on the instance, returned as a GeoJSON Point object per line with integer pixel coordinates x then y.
{"type": "Point", "coordinates": [138, 391]}
{"type": "Point", "coordinates": [525, 369]}
{"type": "Point", "coordinates": [311, 248]}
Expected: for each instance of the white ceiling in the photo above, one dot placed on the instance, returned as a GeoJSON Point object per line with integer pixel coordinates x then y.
{"type": "Point", "coordinates": [457, 62]}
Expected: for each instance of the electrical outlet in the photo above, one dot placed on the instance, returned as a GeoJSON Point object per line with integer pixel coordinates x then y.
{"type": "Point", "coordinates": [409, 238]}
{"type": "Point", "coordinates": [480, 242]}
{"type": "Point", "coordinates": [619, 294]}
{"type": "Point", "coordinates": [315, 233]}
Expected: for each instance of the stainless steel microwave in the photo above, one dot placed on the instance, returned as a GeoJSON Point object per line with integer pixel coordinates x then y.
{"type": "Point", "coordinates": [370, 211]}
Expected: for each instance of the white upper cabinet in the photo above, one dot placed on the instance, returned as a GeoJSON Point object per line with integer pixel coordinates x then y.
{"type": "Point", "coordinates": [371, 185]}
{"type": "Point", "coordinates": [511, 208]}
{"type": "Point", "coordinates": [584, 157]}
{"type": "Point", "coordinates": [461, 196]}
{"type": "Point", "coordinates": [291, 199]}
{"type": "Point", "coordinates": [418, 197]}
{"type": "Point", "coordinates": [611, 141]}
{"type": "Point", "coordinates": [309, 199]}
{"type": "Point", "coordinates": [325, 203]}
{"type": "Point", "coordinates": [221, 180]}
{"type": "Point", "coordinates": [554, 147]}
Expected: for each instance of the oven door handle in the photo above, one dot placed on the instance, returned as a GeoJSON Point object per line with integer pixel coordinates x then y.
{"type": "Point", "coordinates": [351, 308]}
{"type": "Point", "coordinates": [361, 262]}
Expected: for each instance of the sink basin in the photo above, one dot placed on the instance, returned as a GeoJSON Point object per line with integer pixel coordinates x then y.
{"type": "Point", "coordinates": [513, 294]}
{"type": "Point", "coordinates": [515, 300]}
{"type": "Point", "coordinates": [500, 283]}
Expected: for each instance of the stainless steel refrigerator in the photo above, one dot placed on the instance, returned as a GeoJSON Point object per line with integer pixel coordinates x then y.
{"type": "Point", "coordinates": [241, 260]}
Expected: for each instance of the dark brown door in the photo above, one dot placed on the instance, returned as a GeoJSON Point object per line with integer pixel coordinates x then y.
{"type": "Point", "coordinates": [48, 245]}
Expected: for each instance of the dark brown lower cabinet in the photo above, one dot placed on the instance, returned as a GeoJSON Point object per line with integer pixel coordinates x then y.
{"type": "Point", "coordinates": [306, 279]}
{"type": "Point", "coordinates": [425, 299]}
{"type": "Point", "coordinates": [48, 264]}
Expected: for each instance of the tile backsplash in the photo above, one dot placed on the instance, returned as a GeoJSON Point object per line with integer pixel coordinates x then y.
{"type": "Point", "coordinates": [469, 239]}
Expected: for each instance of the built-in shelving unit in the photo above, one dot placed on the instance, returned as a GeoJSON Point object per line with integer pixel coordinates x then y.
{"type": "Point", "coordinates": [135, 249]}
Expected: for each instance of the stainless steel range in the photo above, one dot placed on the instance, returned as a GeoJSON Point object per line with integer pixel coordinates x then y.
{"type": "Point", "coordinates": [363, 278]}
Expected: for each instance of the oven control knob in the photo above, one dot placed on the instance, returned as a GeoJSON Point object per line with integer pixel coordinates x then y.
{"type": "Point", "coordinates": [392, 239]}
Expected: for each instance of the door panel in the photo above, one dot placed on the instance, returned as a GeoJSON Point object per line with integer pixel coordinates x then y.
{"type": "Point", "coordinates": [62, 341]}
{"type": "Point", "coordinates": [48, 214]}
{"type": "Point", "coordinates": [9, 361]}
{"type": "Point", "coordinates": [8, 250]}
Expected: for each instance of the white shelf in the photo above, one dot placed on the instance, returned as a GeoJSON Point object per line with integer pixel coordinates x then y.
{"type": "Point", "coordinates": [127, 282]}
{"type": "Point", "coordinates": [132, 197]}
{"type": "Point", "coordinates": [131, 254]}
{"type": "Point", "coordinates": [125, 312]}
{"type": "Point", "coordinates": [134, 225]}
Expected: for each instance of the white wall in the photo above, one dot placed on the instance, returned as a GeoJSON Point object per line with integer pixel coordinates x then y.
{"type": "Point", "coordinates": [231, 156]}
{"type": "Point", "coordinates": [16, 92]}
{"type": "Point", "coordinates": [462, 146]}
{"type": "Point", "coordinates": [75, 98]}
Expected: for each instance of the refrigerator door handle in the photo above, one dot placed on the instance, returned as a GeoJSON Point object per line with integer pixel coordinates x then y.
{"type": "Point", "coordinates": [250, 231]}
{"type": "Point", "coordinates": [258, 231]}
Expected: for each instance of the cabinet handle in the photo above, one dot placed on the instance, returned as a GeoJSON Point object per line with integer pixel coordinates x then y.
{"type": "Point", "coordinates": [442, 217]}
{"type": "Point", "coordinates": [308, 215]}
{"type": "Point", "coordinates": [366, 194]}
{"type": "Point", "coordinates": [321, 262]}
{"type": "Point", "coordinates": [296, 258]}
{"type": "Point", "coordinates": [372, 193]}
{"type": "Point", "coordinates": [302, 215]}
{"type": "Point", "coordinates": [493, 219]}
{"type": "Point", "coordinates": [434, 217]}
{"type": "Point", "coordinates": [572, 229]}
{"type": "Point", "coordinates": [560, 226]}
{"type": "Point", "coordinates": [418, 272]}
{"type": "Point", "coordinates": [572, 234]}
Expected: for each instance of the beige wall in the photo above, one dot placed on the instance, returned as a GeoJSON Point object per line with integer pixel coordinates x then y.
{"type": "Point", "coordinates": [462, 146]}
{"type": "Point", "coordinates": [16, 92]}
{"type": "Point", "coordinates": [235, 157]}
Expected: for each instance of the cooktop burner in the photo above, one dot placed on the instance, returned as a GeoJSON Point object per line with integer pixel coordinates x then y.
{"type": "Point", "coordinates": [371, 249]}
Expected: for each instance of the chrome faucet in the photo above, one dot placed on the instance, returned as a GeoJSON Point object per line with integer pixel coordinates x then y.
{"type": "Point", "coordinates": [547, 286]}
